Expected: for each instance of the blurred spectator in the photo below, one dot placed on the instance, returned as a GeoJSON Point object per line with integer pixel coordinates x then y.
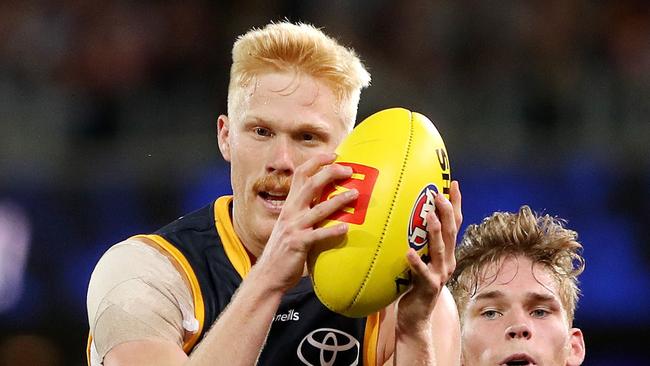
{"type": "Point", "coordinates": [15, 235]}
{"type": "Point", "coordinates": [29, 350]}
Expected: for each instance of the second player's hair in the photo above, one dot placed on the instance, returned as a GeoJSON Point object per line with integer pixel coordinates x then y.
{"type": "Point", "coordinates": [542, 239]}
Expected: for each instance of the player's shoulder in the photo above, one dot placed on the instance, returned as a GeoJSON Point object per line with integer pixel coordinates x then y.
{"type": "Point", "coordinates": [131, 255]}
{"type": "Point", "coordinates": [136, 293]}
{"type": "Point", "coordinates": [130, 263]}
{"type": "Point", "coordinates": [129, 268]}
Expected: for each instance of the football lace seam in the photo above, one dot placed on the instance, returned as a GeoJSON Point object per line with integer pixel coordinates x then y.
{"type": "Point", "coordinates": [390, 213]}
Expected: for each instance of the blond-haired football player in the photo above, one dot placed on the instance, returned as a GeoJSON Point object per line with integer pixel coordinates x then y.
{"type": "Point", "coordinates": [226, 284]}
{"type": "Point", "coordinates": [516, 289]}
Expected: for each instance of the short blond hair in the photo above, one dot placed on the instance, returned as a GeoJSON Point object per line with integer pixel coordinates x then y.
{"type": "Point", "coordinates": [542, 239]}
{"type": "Point", "coordinates": [300, 48]}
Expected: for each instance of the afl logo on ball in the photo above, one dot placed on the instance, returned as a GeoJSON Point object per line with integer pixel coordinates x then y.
{"type": "Point", "coordinates": [417, 233]}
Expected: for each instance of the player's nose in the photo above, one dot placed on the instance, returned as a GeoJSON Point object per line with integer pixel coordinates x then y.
{"type": "Point", "coordinates": [518, 331]}
{"type": "Point", "coordinates": [282, 157]}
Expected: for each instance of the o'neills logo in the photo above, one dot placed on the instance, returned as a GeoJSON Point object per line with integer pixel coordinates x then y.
{"type": "Point", "coordinates": [327, 347]}
{"type": "Point", "coordinates": [290, 315]}
{"type": "Point", "coordinates": [363, 179]}
{"type": "Point", "coordinates": [417, 233]}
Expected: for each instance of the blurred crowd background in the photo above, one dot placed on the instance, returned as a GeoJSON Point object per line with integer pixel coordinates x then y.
{"type": "Point", "coordinates": [108, 118]}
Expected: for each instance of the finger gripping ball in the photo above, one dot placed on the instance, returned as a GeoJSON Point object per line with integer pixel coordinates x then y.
{"type": "Point", "coordinates": [399, 163]}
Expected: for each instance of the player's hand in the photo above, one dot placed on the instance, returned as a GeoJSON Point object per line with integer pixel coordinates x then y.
{"type": "Point", "coordinates": [294, 234]}
{"type": "Point", "coordinates": [416, 306]}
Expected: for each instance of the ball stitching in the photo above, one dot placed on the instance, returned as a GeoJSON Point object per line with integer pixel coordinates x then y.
{"type": "Point", "coordinates": [389, 216]}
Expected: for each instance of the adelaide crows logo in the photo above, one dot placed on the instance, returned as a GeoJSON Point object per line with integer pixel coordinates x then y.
{"type": "Point", "coordinates": [417, 230]}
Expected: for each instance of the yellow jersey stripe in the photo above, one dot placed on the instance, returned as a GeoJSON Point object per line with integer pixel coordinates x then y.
{"type": "Point", "coordinates": [231, 244]}
{"type": "Point", "coordinates": [370, 339]}
{"type": "Point", "coordinates": [199, 309]}
{"type": "Point", "coordinates": [90, 342]}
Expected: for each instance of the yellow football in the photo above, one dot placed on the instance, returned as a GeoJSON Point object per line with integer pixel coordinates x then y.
{"type": "Point", "coordinates": [399, 164]}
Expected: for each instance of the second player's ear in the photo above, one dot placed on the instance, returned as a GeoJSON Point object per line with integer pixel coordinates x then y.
{"type": "Point", "coordinates": [223, 136]}
{"type": "Point", "coordinates": [577, 351]}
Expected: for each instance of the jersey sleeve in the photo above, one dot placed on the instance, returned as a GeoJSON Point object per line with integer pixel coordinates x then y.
{"type": "Point", "coordinates": [136, 293]}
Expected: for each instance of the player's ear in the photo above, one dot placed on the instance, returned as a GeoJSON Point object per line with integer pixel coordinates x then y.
{"type": "Point", "coordinates": [223, 136]}
{"type": "Point", "coordinates": [577, 347]}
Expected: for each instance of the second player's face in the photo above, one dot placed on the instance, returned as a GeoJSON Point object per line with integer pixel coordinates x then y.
{"type": "Point", "coordinates": [516, 318]}
{"type": "Point", "coordinates": [285, 119]}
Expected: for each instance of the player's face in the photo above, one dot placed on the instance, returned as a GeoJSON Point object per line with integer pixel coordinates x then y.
{"type": "Point", "coordinates": [285, 119]}
{"type": "Point", "coordinates": [517, 319]}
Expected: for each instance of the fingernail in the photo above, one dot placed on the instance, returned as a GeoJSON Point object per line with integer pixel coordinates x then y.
{"type": "Point", "coordinates": [411, 253]}
{"type": "Point", "coordinates": [351, 193]}
{"type": "Point", "coordinates": [434, 216]}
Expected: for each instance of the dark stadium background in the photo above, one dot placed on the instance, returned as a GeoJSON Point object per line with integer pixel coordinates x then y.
{"type": "Point", "coordinates": [107, 129]}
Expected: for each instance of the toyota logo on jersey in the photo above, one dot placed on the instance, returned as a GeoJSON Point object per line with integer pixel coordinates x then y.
{"type": "Point", "coordinates": [417, 231]}
{"type": "Point", "coordinates": [328, 346]}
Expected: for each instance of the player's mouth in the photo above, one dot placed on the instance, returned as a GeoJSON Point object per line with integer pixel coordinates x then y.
{"type": "Point", "coordinates": [518, 359]}
{"type": "Point", "coordinates": [272, 190]}
{"type": "Point", "coordinates": [273, 201]}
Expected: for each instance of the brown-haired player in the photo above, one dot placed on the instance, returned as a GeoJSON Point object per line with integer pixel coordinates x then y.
{"type": "Point", "coordinates": [226, 284]}
{"type": "Point", "coordinates": [516, 289]}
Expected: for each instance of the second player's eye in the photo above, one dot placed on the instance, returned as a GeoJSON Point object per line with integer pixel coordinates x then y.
{"type": "Point", "coordinates": [539, 313]}
{"type": "Point", "coordinates": [490, 314]}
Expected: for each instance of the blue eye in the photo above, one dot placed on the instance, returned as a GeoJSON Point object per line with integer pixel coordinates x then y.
{"type": "Point", "coordinates": [539, 313]}
{"type": "Point", "coordinates": [491, 314]}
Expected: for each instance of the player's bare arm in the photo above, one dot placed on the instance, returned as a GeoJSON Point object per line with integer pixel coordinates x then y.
{"type": "Point", "coordinates": [238, 336]}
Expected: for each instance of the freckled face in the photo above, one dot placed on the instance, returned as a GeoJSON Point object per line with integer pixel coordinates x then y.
{"type": "Point", "coordinates": [285, 119]}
